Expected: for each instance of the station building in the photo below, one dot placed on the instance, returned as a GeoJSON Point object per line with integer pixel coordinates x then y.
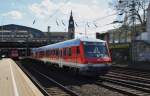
{"type": "Point", "coordinates": [18, 33]}
{"type": "Point", "coordinates": [20, 37]}
{"type": "Point", "coordinates": [23, 38]}
{"type": "Point", "coordinates": [54, 37]}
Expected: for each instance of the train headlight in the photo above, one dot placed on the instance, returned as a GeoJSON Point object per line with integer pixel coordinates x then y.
{"type": "Point", "coordinates": [109, 64]}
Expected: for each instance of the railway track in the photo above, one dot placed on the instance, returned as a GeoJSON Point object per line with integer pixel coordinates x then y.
{"type": "Point", "coordinates": [47, 85]}
{"type": "Point", "coordinates": [116, 88]}
{"type": "Point", "coordinates": [127, 83]}
{"type": "Point", "coordinates": [133, 72]}
{"type": "Point", "coordinates": [117, 81]}
{"type": "Point", "coordinates": [57, 89]}
{"type": "Point", "coordinates": [83, 86]}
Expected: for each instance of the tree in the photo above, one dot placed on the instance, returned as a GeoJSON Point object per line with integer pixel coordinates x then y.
{"type": "Point", "coordinates": [129, 9]}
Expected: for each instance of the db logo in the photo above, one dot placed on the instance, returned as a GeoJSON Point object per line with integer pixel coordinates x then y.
{"type": "Point", "coordinates": [98, 59]}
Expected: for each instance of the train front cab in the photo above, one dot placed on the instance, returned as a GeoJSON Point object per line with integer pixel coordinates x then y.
{"type": "Point", "coordinates": [97, 60]}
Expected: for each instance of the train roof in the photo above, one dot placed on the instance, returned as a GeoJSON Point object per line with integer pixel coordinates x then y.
{"type": "Point", "coordinates": [68, 43]}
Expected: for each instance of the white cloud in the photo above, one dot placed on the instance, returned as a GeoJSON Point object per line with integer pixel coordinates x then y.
{"type": "Point", "coordinates": [14, 14]}
{"type": "Point", "coordinates": [82, 13]}
{"type": "Point", "coordinates": [85, 12]}
{"type": "Point", "coordinates": [95, 2]}
{"type": "Point", "coordinates": [43, 9]}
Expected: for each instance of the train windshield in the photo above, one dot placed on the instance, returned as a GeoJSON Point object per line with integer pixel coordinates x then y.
{"type": "Point", "coordinates": [95, 49]}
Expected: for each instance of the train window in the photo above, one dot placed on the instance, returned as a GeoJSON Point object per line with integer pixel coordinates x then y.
{"type": "Point", "coordinates": [47, 52]}
{"type": "Point", "coordinates": [61, 53]}
{"type": "Point", "coordinates": [57, 52]}
{"type": "Point", "coordinates": [64, 51]}
{"type": "Point", "coordinates": [69, 52]}
{"type": "Point", "coordinates": [96, 49]}
{"type": "Point", "coordinates": [53, 52]}
{"type": "Point", "coordinates": [78, 50]}
{"type": "Point", "coordinates": [50, 52]}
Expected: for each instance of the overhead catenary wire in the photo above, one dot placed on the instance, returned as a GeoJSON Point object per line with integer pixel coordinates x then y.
{"type": "Point", "coordinates": [81, 33]}
{"type": "Point", "coordinates": [94, 22]}
{"type": "Point", "coordinates": [77, 24]}
{"type": "Point", "coordinates": [104, 17]}
{"type": "Point", "coordinates": [54, 13]}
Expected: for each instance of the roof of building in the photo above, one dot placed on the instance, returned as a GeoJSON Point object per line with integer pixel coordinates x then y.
{"type": "Point", "coordinates": [35, 32]}
{"type": "Point", "coordinates": [57, 33]}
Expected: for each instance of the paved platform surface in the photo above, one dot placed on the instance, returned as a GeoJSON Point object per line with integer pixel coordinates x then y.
{"type": "Point", "coordinates": [13, 81]}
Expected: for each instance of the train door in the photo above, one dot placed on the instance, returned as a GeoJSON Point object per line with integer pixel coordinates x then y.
{"type": "Point", "coordinates": [75, 54]}
{"type": "Point", "coordinates": [60, 57]}
{"type": "Point", "coordinates": [70, 54]}
{"type": "Point", "coordinates": [73, 57]}
{"type": "Point", "coordinates": [78, 56]}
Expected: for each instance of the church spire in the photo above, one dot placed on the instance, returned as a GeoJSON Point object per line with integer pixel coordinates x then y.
{"type": "Point", "coordinates": [71, 28]}
{"type": "Point", "coordinates": [71, 12]}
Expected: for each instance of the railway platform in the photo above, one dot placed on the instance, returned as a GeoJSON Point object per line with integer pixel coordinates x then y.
{"type": "Point", "coordinates": [13, 81]}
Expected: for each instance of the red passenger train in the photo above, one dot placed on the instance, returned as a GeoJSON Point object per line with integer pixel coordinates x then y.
{"type": "Point", "coordinates": [14, 54]}
{"type": "Point", "coordinates": [86, 56]}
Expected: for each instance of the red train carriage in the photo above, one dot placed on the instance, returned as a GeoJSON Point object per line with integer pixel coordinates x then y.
{"type": "Point", "coordinates": [14, 54]}
{"type": "Point", "coordinates": [87, 56]}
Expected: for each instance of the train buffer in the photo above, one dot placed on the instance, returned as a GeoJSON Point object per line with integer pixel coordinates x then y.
{"type": "Point", "coordinates": [13, 81]}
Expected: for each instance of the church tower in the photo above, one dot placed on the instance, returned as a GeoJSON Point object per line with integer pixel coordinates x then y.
{"type": "Point", "coordinates": [71, 28]}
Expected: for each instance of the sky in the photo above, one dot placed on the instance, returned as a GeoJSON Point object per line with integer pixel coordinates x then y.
{"type": "Point", "coordinates": [90, 16]}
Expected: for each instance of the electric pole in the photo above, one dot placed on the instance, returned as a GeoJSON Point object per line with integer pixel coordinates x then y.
{"type": "Point", "coordinates": [133, 19]}
{"type": "Point", "coordinates": [131, 8]}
